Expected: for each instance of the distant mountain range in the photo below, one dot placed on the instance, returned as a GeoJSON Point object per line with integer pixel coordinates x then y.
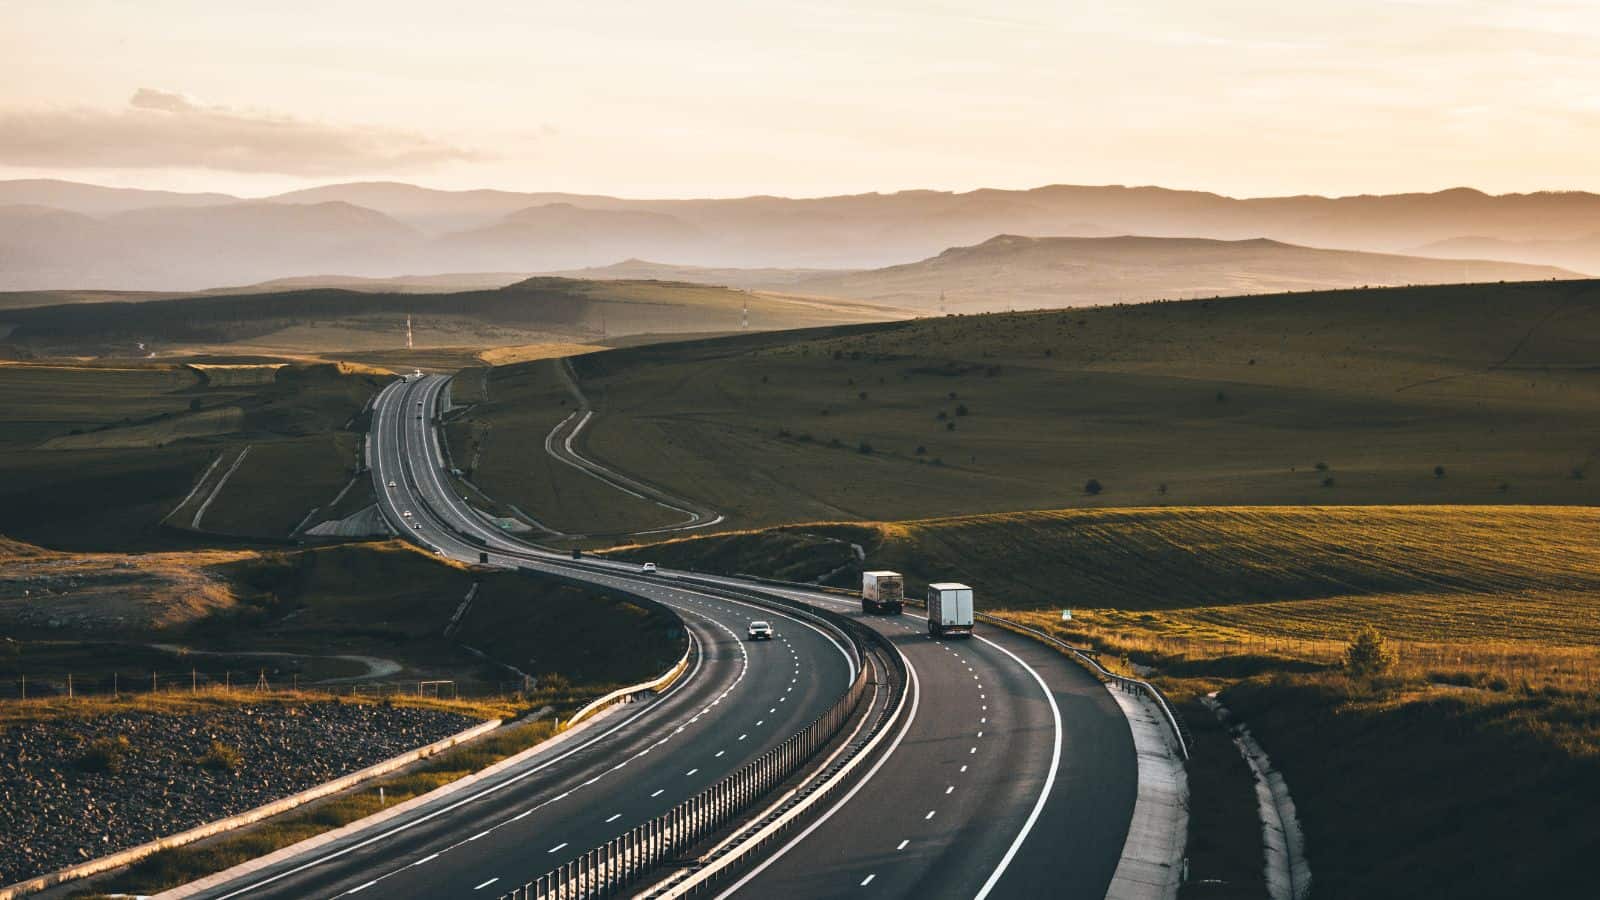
{"type": "Point", "coordinates": [1010, 271]}
{"type": "Point", "coordinates": [64, 235]}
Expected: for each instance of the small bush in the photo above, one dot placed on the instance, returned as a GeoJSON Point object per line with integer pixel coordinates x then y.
{"type": "Point", "coordinates": [105, 754]}
{"type": "Point", "coordinates": [220, 757]}
{"type": "Point", "coordinates": [1321, 466]}
{"type": "Point", "coordinates": [864, 448]}
{"type": "Point", "coordinates": [861, 396]}
{"type": "Point", "coordinates": [1327, 481]}
{"type": "Point", "coordinates": [921, 450]}
{"type": "Point", "coordinates": [1438, 471]}
{"type": "Point", "coordinates": [942, 415]}
{"type": "Point", "coordinates": [1368, 653]}
{"type": "Point", "coordinates": [1092, 487]}
{"type": "Point", "coordinates": [962, 410]}
{"type": "Point", "coordinates": [949, 426]}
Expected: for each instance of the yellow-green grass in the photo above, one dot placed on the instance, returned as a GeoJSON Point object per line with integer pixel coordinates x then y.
{"type": "Point", "coordinates": [51, 401]}
{"type": "Point", "coordinates": [95, 457]}
{"type": "Point", "coordinates": [280, 482]}
{"type": "Point", "coordinates": [185, 702]}
{"type": "Point", "coordinates": [1503, 589]}
{"type": "Point", "coordinates": [502, 445]}
{"type": "Point", "coordinates": [1195, 403]}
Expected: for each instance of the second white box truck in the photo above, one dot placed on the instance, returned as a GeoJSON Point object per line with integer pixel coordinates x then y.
{"type": "Point", "coordinates": [949, 609]}
{"type": "Point", "coordinates": [882, 592]}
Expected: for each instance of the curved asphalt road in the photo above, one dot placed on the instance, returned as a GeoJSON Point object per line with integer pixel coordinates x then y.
{"type": "Point", "coordinates": [1014, 777]}
{"type": "Point", "coordinates": [628, 766]}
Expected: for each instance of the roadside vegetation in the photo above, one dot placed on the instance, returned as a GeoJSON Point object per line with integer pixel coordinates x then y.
{"type": "Point", "coordinates": [1444, 655]}
{"type": "Point", "coordinates": [97, 457]}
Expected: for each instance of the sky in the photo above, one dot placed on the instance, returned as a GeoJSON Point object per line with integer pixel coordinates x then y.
{"type": "Point", "coordinates": [712, 99]}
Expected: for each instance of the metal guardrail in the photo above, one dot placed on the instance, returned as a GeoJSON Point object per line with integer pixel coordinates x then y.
{"type": "Point", "coordinates": [1133, 685]}
{"type": "Point", "coordinates": [655, 685]}
{"type": "Point", "coordinates": [630, 857]}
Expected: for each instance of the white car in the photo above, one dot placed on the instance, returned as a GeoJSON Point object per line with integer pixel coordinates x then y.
{"type": "Point", "coordinates": [391, 484]}
{"type": "Point", "coordinates": [406, 514]}
{"type": "Point", "coordinates": [648, 568]}
{"type": "Point", "coordinates": [417, 525]}
{"type": "Point", "coordinates": [760, 631]}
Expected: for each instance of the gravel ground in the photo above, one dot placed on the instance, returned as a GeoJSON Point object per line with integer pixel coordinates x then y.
{"type": "Point", "coordinates": [57, 812]}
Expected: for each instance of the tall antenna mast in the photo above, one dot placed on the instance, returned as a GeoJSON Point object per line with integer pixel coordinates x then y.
{"type": "Point", "coordinates": [408, 331]}
{"type": "Point", "coordinates": [744, 316]}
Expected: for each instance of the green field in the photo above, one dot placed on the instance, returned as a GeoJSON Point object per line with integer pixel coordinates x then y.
{"type": "Point", "coordinates": [308, 608]}
{"type": "Point", "coordinates": [96, 457]}
{"type": "Point", "coordinates": [1448, 395]}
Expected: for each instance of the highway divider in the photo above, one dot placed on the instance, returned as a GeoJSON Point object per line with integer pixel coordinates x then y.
{"type": "Point", "coordinates": [626, 694]}
{"type": "Point", "coordinates": [267, 810]}
{"type": "Point", "coordinates": [639, 853]}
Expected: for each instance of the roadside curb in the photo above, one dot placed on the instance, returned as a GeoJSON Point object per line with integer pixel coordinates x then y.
{"type": "Point", "coordinates": [267, 810]}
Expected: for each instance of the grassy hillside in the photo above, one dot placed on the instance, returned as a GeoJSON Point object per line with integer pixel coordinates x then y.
{"type": "Point", "coordinates": [92, 615]}
{"type": "Point", "coordinates": [1493, 614]}
{"type": "Point", "coordinates": [1011, 271]}
{"type": "Point", "coordinates": [1477, 394]}
{"type": "Point", "coordinates": [323, 321]}
{"type": "Point", "coordinates": [95, 457]}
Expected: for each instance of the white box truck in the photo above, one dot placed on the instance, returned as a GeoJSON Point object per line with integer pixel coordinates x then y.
{"type": "Point", "coordinates": [949, 609]}
{"type": "Point", "coordinates": [882, 592]}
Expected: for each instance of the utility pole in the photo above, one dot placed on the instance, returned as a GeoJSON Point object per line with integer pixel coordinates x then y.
{"type": "Point", "coordinates": [744, 316]}
{"type": "Point", "coordinates": [408, 332]}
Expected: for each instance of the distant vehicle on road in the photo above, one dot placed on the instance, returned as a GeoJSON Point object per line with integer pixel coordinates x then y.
{"type": "Point", "coordinates": [417, 526]}
{"type": "Point", "coordinates": [391, 484]}
{"type": "Point", "coordinates": [882, 592]}
{"type": "Point", "coordinates": [949, 609]}
{"type": "Point", "coordinates": [406, 514]}
{"type": "Point", "coordinates": [577, 553]}
{"type": "Point", "coordinates": [648, 568]}
{"type": "Point", "coordinates": [760, 631]}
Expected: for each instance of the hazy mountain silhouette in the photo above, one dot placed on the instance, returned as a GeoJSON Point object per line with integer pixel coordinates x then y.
{"type": "Point", "coordinates": [1025, 272]}
{"type": "Point", "coordinates": [384, 229]}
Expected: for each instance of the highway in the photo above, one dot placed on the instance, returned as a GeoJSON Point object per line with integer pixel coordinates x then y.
{"type": "Point", "coordinates": [737, 700]}
{"type": "Point", "coordinates": [1013, 776]}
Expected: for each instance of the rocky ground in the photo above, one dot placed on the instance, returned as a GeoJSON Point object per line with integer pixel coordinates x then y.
{"type": "Point", "coordinates": [72, 790]}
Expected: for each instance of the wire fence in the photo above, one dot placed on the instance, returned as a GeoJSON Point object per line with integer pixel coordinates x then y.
{"type": "Point", "coordinates": [58, 686]}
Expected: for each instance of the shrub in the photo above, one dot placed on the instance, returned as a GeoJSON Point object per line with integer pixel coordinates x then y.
{"type": "Point", "coordinates": [862, 395]}
{"type": "Point", "coordinates": [942, 415]}
{"type": "Point", "coordinates": [1092, 486]}
{"type": "Point", "coordinates": [1161, 488]}
{"type": "Point", "coordinates": [220, 757]}
{"type": "Point", "coordinates": [1438, 471]}
{"type": "Point", "coordinates": [1327, 481]}
{"type": "Point", "coordinates": [1368, 653]}
{"type": "Point", "coordinates": [864, 447]}
{"type": "Point", "coordinates": [949, 426]}
{"type": "Point", "coordinates": [921, 450]}
{"type": "Point", "coordinates": [105, 754]}
{"type": "Point", "coordinates": [1222, 397]}
{"type": "Point", "coordinates": [1321, 466]}
{"type": "Point", "coordinates": [962, 410]}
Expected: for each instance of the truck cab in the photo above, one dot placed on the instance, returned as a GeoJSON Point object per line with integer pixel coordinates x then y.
{"type": "Point", "coordinates": [882, 592]}
{"type": "Point", "coordinates": [949, 609]}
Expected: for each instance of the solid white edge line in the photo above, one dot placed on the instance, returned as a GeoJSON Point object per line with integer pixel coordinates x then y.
{"type": "Point", "coordinates": [1049, 782]}
{"type": "Point", "coordinates": [916, 701]}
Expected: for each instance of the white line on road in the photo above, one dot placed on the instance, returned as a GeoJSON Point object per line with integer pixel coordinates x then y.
{"type": "Point", "coordinates": [487, 883]}
{"type": "Point", "coordinates": [556, 847]}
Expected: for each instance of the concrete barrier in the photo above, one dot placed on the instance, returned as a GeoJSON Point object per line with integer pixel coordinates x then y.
{"type": "Point", "coordinates": [656, 685]}
{"type": "Point", "coordinates": [134, 854]}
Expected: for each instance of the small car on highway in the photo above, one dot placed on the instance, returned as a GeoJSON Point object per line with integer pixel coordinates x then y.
{"type": "Point", "coordinates": [417, 525]}
{"type": "Point", "coordinates": [391, 484]}
{"type": "Point", "coordinates": [406, 514]}
{"type": "Point", "coordinates": [648, 568]}
{"type": "Point", "coordinates": [760, 631]}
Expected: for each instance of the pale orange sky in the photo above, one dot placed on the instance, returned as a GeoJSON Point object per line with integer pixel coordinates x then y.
{"type": "Point", "coordinates": [697, 98]}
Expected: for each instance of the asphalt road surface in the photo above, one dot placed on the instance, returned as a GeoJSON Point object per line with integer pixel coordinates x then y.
{"type": "Point", "coordinates": [1015, 776]}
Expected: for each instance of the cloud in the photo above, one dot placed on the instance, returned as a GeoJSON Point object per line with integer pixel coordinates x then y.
{"type": "Point", "coordinates": [162, 129]}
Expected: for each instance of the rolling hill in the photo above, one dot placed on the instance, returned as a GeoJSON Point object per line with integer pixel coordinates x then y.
{"type": "Point", "coordinates": [536, 310]}
{"type": "Point", "coordinates": [411, 229]}
{"type": "Point", "coordinates": [1027, 272]}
